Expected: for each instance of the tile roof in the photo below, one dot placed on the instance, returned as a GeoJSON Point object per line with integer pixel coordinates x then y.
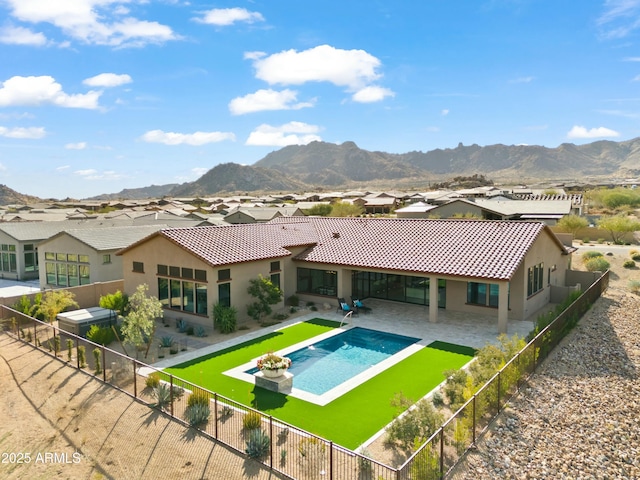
{"type": "Point", "coordinates": [224, 245]}
{"type": "Point", "coordinates": [470, 248]}
{"type": "Point", "coordinates": [103, 239]}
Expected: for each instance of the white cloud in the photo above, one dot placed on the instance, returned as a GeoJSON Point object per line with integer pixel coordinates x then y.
{"type": "Point", "coordinates": [267, 100]}
{"type": "Point", "coordinates": [354, 69]}
{"type": "Point", "coordinates": [197, 138]}
{"type": "Point", "coordinates": [42, 91]}
{"type": "Point", "coordinates": [102, 22]}
{"type": "Point", "coordinates": [199, 171]}
{"type": "Point", "coordinates": [21, 36]}
{"type": "Point", "coordinates": [63, 167]}
{"type": "Point", "coordinates": [581, 132]}
{"type": "Point", "coordinates": [444, 112]}
{"type": "Point", "coordinates": [372, 94]}
{"type": "Point", "coordinates": [87, 172]}
{"type": "Point", "coordinates": [32, 133]}
{"type": "Point", "coordinates": [76, 146]}
{"type": "Point", "coordinates": [93, 174]}
{"type": "Point", "coordinates": [620, 18]}
{"type": "Point", "coordinates": [108, 80]}
{"type": "Point", "coordinates": [228, 16]}
{"type": "Point", "coordinates": [522, 80]}
{"type": "Point", "coordinates": [292, 133]}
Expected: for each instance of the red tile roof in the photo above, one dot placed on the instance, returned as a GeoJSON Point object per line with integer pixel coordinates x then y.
{"type": "Point", "coordinates": [470, 248]}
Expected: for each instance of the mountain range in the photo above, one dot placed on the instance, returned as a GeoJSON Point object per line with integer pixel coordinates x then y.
{"type": "Point", "coordinates": [320, 166]}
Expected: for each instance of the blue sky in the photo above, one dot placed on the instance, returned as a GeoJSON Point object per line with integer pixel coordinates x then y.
{"type": "Point", "coordinates": [101, 95]}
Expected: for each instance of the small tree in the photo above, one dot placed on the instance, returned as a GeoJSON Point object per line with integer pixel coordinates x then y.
{"type": "Point", "coordinates": [265, 294]}
{"type": "Point", "coordinates": [572, 224]}
{"type": "Point", "coordinates": [138, 326]}
{"type": "Point", "coordinates": [119, 302]}
{"type": "Point", "coordinates": [346, 209]}
{"type": "Point", "coordinates": [320, 210]}
{"type": "Point", "coordinates": [54, 302]}
{"type": "Point", "coordinates": [618, 226]}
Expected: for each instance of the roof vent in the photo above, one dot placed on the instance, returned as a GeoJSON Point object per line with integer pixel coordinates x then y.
{"type": "Point", "coordinates": [336, 235]}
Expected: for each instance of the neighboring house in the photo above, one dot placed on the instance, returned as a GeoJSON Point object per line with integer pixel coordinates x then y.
{"type": "Point", "coordinates": [88, 255]}
{"type": "Point", "coordinates": [509, 268]}
{"type": "Point", "coordinates": [261, 214]}
{"type": "Point", "coordinates": [415, 210]}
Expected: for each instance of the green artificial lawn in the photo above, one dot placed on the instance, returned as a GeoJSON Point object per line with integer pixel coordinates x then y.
{"type": "Point", "coordinates": [349, 420]}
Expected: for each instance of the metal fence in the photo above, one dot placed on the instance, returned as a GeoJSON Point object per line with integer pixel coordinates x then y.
{"type": "Point", "coordinates": [283, 447]}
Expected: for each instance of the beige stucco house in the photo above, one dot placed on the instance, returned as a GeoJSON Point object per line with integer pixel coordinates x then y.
{"type": "Point", "coordinates": [508, 268]}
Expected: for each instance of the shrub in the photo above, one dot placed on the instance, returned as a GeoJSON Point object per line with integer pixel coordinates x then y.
{"type": "Point", "coordinates": [82, 356]}
{"type": "Point", "coordinates": [294, 301]}
{"type": "Point", "coordinates": [419, 422]}
{"type": "Point", "coordinates": [101, 335]}
{"type": "Point", "coordinates": [634, 286]}
{"type": "Point", "coordinates": [166, 342]}
{"type": "Point", "coordinates": [69, 349]}
{"type": "Point", "coordinates": [629, 264]}
{"type": "Point", "coordinates": [437, 399]}
{"type": "Point", "coordinates": [224, 318]}
{"type": "Point", "coordinates": [251, 420]}
{"type": "Point", "coordinates": [280, 316]}
{"type": "Point", "coordinates": [601, 240]}
{"type": "Point", "coordinates": [597, 265]}
{"type": "Point", "coordinates": [633, 252]}
{"type": "Point", "coordinates": [197, 414]}
{"type": "Point", "coordinates": [181, 325]}
{"type": "Point", "coordinates": [258, 444]}
{"type": "Point", "coordinates": [586, 256]}
{"type": "Point", "coordinates": [162, 394]}
{"type": "Point", "coordinates": [454, 387]}
{"type": "Point", "coordinates": [96, 357]}
{"type": "Point", "coordinates": [426, 464]}
{"type": "Point", "coordinates": [56, 344]}
{"type": "Point", "coordinates": [312, 455]}
{"type": "Point", "coordinates": [198, 397]}
{"type": "Point", "coordinates": [636, 257]}
{"type": "Point", "coordinates": [152, 380]}
{"type": "Point", "coordinates": [200, 331]}
{"type": "Point", "coordinates": [365, 466]}
{"type": "Point", "coordinates": [190, 330]}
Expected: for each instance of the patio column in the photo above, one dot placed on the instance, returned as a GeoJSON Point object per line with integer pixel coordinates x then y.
{"type": "Point", "coordinates": [433, 299]}
{"type": "Point", "coordinates": [503, 306]}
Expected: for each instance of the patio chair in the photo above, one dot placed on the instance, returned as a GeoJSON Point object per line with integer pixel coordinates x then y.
{"type": "Point", "coordinates": [357, 303]}
{"type": "Point", "coordinates": [344, 307]}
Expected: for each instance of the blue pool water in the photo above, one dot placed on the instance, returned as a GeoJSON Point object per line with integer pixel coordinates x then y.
{"type": "Point", "coordinates": [326, 364]}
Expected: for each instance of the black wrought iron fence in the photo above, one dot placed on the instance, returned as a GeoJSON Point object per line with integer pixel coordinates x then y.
{"type": "Point", "coordinates": [283, 447]}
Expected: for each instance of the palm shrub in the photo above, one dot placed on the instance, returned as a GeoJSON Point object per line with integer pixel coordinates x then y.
{"type": "Point", "coordinates": [197, 414]}
{"type": "Point", "coordinates": [162, 395]}
{"type": "Point", "coordinates": [251, 420]}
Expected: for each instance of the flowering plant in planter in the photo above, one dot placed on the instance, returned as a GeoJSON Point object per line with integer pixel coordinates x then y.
{"type": "Point", "coordinates": [271, 361]}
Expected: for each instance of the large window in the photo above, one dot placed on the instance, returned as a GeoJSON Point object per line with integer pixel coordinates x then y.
{"type": "Point", "coordinates": [224, 294]}
{"type": "Point", "coordinates": [30, 258]}
{"type": "Point", "coordinates": [535, 279]}
{"type": "Point", "coordinates": [67, 269]}
{"type": "Point", "coordinates": [401, 288]}
{"type": "Point", "coordinates": [485, 294]}
{"type": "Point", "coordinates": [180, 292]}
{"type": "Point", "coordinates": [8, 258]}
{"type": "Point", "coordinates": [319, 282]}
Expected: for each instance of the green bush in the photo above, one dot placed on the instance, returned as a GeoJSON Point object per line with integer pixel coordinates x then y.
{"type": "Point", "coordinates": [597, 264]}
{"type": "Point", "coordinates": [634, 286]}
{"type": "Point", "coordinates": [198, 397]}
{"type": "Point", "coordinates": [96, 357]}
{"type": "Point", "coordinates": [251, 420]}
{"type": "Point", "coordinates": [294, 301]}
{"type": "Point", "coordinates": [82, 356]}
{"type": "Point", "coordinates": [152, 380]}
{"type": "Point", "coordinates": [69, 349]}
{"type": "Point", "coordinates": [162, 395]}
{"type": "Point", "coordinates": [590, 254]}
{"type": "Point", "coordinates": [629, 264]}
{"type": "Point", "coordinates": [419, 422]}
{"type": "Point", "coordinates": [258, 444]}
{"type": "Point", "coordinates": [636, 257]}
{"type": "Point", "coordinates": [101, 335]}
{"type": "Point", "coordinates": [224, 318]}
{"type": "Point", "coordinates": [454, 387]}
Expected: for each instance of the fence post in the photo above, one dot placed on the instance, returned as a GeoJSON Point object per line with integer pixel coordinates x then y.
{"type": "Point", "coordinates": [271, 442]}
{"type": "Point", "coordinates": [171, 393]}
{"type": "Point", "coordinates": [35, 333]}
{"type": "Point", "coordinates": [441, 452]}
{"type": "Point", "coordinates": [77, 356]}
{"type": "Point", "coordinates": [330, 460]}
{"type": "Point", "coordinates": [215, 408]}
{"type": "Point", "coordinates": [499, 388]}
{"type": "Point", "coordinates": [474, 417]}
{"type": "Point", "coordinates": [135, 383]}
{"type": "Point", "coordinates": [104, 365]}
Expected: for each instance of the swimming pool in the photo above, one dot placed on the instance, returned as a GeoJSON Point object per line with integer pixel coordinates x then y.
{"type": "Point", "coordinates": [326, 364]}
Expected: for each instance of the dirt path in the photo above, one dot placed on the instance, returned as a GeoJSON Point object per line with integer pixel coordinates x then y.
{"type": "Point", "coordinates": [61, 423]}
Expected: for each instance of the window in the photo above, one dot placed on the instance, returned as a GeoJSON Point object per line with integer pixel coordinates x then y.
{"type": "Point", "coordinates": [224, 274]}
{"type": "Point", "coordinates": [201, 275]}
{"type": "Point", "coordinates": [224, 294]}
{"type": "Point", "coordinates": [8, 261]}
{"type": "Point", "coordinates": [30, 258]}
{"type": "Point", "coordinates": [174, 272]}
{"type": "Point", "coordinates": [182, 295]}
{"type": "Point", "coordinates": [187, 273]}
{"type": "Point", "coordinates": [84, 274]}
{"type": "Point", "coordinates": [535, 279]}
{"type": "Point", "coordinates": [106, 258]}
{"type": "Point", "coordinates": [275, 279]}
{"type": "Point", "coordinates": [485, 294]}
{"type": "Point", "coordinates": [65, 269]}
{"type": "Point", "coordinates": [275, 266]}
{"type": "Point", "coordinates": [83, 258]}
{"type": "Point", "coordinates": [49, 256]}
{"type": "Point", "coordinates": [320, 282]}
{"type": "Point", "coordinates": [138, 267]}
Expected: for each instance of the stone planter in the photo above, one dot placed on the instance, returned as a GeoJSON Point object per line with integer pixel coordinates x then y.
{"type": "Point", "coordinates": [273, 373]}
